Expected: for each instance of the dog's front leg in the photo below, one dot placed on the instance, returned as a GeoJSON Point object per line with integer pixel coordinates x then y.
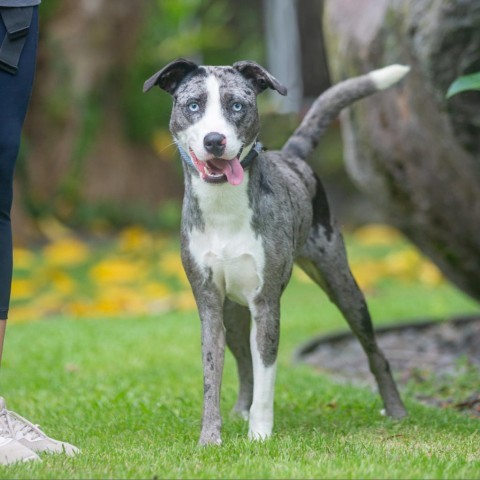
{"type": "Point", "coordinates": [264, 338]}
{"type": "Point", "coordinates": [213, 350]}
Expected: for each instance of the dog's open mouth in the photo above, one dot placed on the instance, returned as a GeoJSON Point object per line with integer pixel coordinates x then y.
{"type": "Point", "coordinates": [218, 170]}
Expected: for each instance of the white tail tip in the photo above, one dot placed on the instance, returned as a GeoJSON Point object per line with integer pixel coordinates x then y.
{"type": "Point", "coordinates": [386, 77]}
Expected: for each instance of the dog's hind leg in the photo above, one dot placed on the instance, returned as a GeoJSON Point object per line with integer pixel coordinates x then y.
{"type": "Point", "coordinates": [324, 259]}
{"type": "Point", "coordinates": [237, 323]}
{"type": "Point", "coordinates": [326, 263]}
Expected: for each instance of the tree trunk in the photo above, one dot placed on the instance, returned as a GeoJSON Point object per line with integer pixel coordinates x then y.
{"type": "Point", "coordinates": [413, 152]}
{"type": "Point", "coordinates": [315, 74]}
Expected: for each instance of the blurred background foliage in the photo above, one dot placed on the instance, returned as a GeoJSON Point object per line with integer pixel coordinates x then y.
{"type": "Point", "coordinates": [99, 182]}
{"type": "Point", "coordinates": [97, 153]}
{"type": "Point", "coordinates": [87, 83]}
{"type": "Point", "coordinates": [206, 31]}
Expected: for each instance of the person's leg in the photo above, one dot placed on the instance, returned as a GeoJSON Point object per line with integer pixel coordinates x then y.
{"type": "Point", "coordinates": [15, 95]}
{"type": "Point", "coordinates": [19, 438]}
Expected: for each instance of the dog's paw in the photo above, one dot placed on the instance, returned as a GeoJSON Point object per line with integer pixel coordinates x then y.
{"type": "Point", "coordinates": [259, 435]}
{"type": "Point", "coordinates": [260, 423]}
{"type": "Point", "coordinates": [260, 430]}
{"type": "Point", "coordinates": [205, 442]}
{"type": "Point", "coordinates": [240, 412]}
{"type": "Point", "coordinates": [244, 414]}
{"type": "Point", "coordinates": [395, 411]}
{"type": "Point", "coordinates": [209, 438]}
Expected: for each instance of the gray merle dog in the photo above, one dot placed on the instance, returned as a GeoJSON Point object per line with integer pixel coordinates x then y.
{"type": "Point", "coordinates": [248, 215]}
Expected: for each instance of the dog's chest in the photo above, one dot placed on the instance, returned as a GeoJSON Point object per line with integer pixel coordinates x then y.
{"type": "Point", "coordinates": [227, 245]}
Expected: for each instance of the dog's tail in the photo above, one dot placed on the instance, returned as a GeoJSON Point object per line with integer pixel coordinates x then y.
{"type": "Point", "coordinates": [329, 104]}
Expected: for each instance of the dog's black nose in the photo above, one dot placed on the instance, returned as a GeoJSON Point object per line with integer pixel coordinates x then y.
{"type": "Point", "coordinates": [214, 143]}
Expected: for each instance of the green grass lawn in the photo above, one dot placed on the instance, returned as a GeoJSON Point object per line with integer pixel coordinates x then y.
{"type": "Point", "coordinates": [128, 392]}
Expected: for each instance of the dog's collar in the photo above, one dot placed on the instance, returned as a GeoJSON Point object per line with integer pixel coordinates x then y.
{"type": "Point", "coordinates": [245, 163]}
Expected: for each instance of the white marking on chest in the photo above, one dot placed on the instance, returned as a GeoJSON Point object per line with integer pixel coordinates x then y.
{"type": "Point", "coordinates": [213, 120]}
{"type": "Point", "coordinates": [228, 245]}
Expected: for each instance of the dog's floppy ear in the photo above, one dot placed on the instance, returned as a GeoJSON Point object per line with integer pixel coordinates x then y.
{"type": "Point", "coordinates": [260, 78]}
{"type": "Point", "coordinates": [169, 77]}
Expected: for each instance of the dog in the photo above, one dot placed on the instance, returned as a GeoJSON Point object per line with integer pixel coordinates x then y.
{"type": "Point", "coordinates": [248, 215]}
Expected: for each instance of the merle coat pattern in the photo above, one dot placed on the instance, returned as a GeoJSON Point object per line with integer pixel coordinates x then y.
{"type": "Point", "coordinates": [248, 215]}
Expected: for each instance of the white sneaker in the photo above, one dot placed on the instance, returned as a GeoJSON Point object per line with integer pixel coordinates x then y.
{"type": "Point", "coordinates": [30, 436]}
{"type": "Point", "coordinates": [12, 451]}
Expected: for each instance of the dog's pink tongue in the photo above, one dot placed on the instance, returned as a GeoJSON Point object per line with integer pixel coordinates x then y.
{"type": "Point", "coordinates": [232, 169]}
{"type": "Point", "coordinates": [234, 172]}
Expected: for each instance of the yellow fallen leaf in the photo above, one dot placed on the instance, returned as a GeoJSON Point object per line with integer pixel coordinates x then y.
{"type": "Point", "coordinates": [134, 238]}
{"type": "Point", "coordinates": [119, 299]}
{"type": "Point", "coordinates": [23, 313]}
{"type": "Point", "coordinates": [171, 265]}
{"type": "Point", "coordinates": [429, 274]}
{"type": "Point", "coordinates": [62, 282]}
{"type": "Point", "coordinates": [155, 290]}
{"type": "Point", "coordinates": [22, 289]}
{"type": "Point", "coordinates": [368, 272]}
{"type": "Point", "coordinates": [185, 301]}
{"type": "Point", "coordinates": [403, 264]}
{"type": "Point", "coordinates": [116, 270]}
{"type": "Point", "coordinates": [377, 234]}
{"type": "Point", "coordinates": [66, 252]}
{"type": "Point", "coordinates": [23, 259]}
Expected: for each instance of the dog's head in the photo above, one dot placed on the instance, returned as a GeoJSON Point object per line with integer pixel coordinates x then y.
{"type": "Point", "coordinates": [214, 117]}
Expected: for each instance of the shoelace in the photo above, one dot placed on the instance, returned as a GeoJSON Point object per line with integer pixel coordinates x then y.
{"type": "Point", "coordinates": [20, 427]}
{"type": "Point", "coordinates": [4, 425]}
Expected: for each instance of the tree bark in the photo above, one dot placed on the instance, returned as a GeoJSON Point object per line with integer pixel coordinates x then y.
{"type": "Point", "coordinates": [315, 74]}
{"type": "Point", "coordinates": [413, 152]}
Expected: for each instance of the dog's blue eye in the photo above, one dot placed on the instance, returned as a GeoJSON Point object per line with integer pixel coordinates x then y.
{"type": "Point", "coordinates": [237, 107]}
{"type": "Point", "coordinates": [193, 106]}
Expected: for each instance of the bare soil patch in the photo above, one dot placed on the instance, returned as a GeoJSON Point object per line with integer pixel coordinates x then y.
{"type": "Point", "coordinates": [436, 361]}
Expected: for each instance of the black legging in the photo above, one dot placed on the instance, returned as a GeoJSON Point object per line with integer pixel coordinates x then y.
{"type": "Point", "coordinates": [15, 93]}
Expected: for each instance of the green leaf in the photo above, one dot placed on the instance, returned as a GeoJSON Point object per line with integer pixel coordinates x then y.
{"type": "Point", "coordinates": [466, 82]}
